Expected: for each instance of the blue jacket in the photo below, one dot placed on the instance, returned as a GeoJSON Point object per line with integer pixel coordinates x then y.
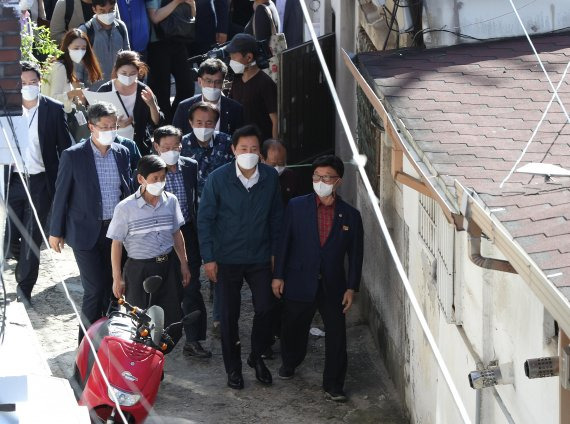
{"type": "Point", "coordinates": [301, 259]}
{"type": "Point", "coordinates": [77, 209]}
{"type": "Point", "coordinates": [231, 115]}
{"type": "Point", "coordinates": [237, 226]}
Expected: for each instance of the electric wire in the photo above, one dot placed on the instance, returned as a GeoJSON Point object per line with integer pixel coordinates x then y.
{"type": "Point", "coordinates": [54, 261]}
{"type": "Point", "coordinates": [360, 161]}
{"type": "Point", "coordinates": [554, 95]}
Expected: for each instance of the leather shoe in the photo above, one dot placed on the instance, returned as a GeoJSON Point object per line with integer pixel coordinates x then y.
{"type": "Point", "coordinates": [23, 297]}
{"type": "Point", "coordinates": [286, 373]}
{"type": "Point", "coordinates": [195, 349]}
{"type": "Point", "coordinates": [261, 372]}
{"type": "Point", "coordinates": [235, 380]}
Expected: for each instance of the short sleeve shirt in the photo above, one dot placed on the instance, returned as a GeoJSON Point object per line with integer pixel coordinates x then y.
{"type": "Point", "coordinates": [258, 96]}
{"type": "Point", "coordinates": [152, 4]}
{"type": "Point", "coordinates": [145, 230]}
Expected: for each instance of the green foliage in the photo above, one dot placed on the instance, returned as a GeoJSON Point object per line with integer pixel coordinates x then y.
{"type": "Point", "coordinates": [38, 46]}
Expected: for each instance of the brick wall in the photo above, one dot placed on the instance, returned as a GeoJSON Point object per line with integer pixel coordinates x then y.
{"type": "Point", "coordinates": [10, 97]}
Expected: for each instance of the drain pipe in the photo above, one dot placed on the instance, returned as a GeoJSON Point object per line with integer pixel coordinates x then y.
{"type": "Point", "coordinates": [474, 232]}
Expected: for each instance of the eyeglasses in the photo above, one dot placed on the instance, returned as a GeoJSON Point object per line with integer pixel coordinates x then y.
{"type": "Point", "coordinates": [327, 179]}
{"type": "Point", "coordinates": [215, 83]}
{"type": "Point", "coordinates": [106, 128]}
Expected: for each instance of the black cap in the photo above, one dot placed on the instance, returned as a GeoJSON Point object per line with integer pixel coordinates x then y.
{"type": "Point", "coordinates": [242, 43]}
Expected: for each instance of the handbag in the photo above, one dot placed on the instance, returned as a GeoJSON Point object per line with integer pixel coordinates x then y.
{"type": "Point", "coordinates": [277, 44]}
{"type": "Point", "coordinates": [180, 25]}
{"type": "Point", "coordinates": [77, 123]}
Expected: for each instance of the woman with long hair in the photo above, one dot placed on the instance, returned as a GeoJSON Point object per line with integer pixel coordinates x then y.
{"type": "Point", "coordinates": [76, 66]}
{"type": "Point", "coordinates": [142, 112]}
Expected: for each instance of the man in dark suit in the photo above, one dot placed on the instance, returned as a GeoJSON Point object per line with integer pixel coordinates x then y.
{"type": "Point", "coordinates": [274, 154]}
{"type": "Point", "coordinates": [320, 230]}
{"type": "Point", "coordinates": [211, 76]}
{"type": "Point", "coordinates": [93, 177]}
{"type": "Point", "coordinates": [182, 181]}
{"type": "Point", "coordinates": [292, 22]}
{"type": "Point", "coordinates": [48, 136]}
{"type": "Point", "coordinates": [212, 21]}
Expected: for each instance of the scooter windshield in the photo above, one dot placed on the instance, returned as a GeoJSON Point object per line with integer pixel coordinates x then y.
{"type": "Point", "coordinates": [156, 315]}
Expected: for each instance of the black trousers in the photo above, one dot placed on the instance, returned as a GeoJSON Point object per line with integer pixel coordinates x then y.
{"type": "Point", "coordinates": [295, 326]}
{"type": "Point", "coordinates": [192, 299]}
{"type": "Point", "coordinates": [25, 234]}
{"type": "Point", "coordinates": [230, 279]}
{"type": "Point", "coordinates": [96, 278]}
{"type": "Point", "coordinates": [134, 273]}
{"type": "Point", "coordinates": [166, 58]}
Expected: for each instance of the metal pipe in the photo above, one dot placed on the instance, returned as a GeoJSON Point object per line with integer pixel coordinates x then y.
{"type": "Point", "coordinates": [475, 233]}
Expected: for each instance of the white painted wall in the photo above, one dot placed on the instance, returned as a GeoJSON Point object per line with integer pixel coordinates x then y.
{"type": "Point", "coordinates": [491, 19]}
{"type": "Point", "coordinates": [502, 320]}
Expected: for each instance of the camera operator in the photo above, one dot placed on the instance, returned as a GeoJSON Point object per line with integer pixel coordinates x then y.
{"type": "Point", "coordinates": [211, 76]}
{"type": "Point", "coordinates": [255, 90]}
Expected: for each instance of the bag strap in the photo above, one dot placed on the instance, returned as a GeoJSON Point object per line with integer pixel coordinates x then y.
{"type": "Point", "coordinates": [270, 16]}
{"type": "Point", "coordinates": [69, 4]}
{"type": "Point", "coordinates": [91, 31]}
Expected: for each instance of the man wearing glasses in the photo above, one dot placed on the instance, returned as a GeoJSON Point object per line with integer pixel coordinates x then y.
{"type": "Point", "coordinates": [320, 230]}
{"type": "Point", "coordinates": [93, 177]}
{"type": "Point", "coordinates": [211, 76]}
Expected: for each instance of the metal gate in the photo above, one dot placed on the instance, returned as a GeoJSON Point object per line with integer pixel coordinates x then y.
{"type": "Point", "coordinates": [306, 108]}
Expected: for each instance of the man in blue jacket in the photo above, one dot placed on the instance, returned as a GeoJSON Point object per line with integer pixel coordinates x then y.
{"type": "Point", "coordinates": [320, 230]}
{"type": "Point", "coordinates": [239, 222]}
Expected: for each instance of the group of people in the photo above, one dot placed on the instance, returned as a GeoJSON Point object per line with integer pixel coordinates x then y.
{"type": "Point", "coordinates": [136, 196]}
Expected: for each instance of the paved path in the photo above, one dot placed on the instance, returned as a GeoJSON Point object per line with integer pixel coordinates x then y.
{"type": "Point", "coordinates": [195, 391]}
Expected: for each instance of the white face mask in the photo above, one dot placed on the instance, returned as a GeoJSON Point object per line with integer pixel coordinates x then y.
{"type": "Point", "coordinates": [211, 94]}
{"type": "Point", "coordinates": [203, 134]}
{"type": "Point", "coordinates": [247, 160]}
{"type": "Point", "coordinates": [106, 18]}
{"type": "Point", "coordinates": [30, 92]}
{"type": "Point", "coordinates": [322, 189]}
{"type": "Point", "coordinates": [76, 55]}
{"type": "Point", "coordinates": [156, 189]}
{"type": "Point", "coordinates": [170, 157]}
{"type": "Point", "coordinates": [107, 137]}
{"type": "Point", "coordinates": [279, 169]}
{"type": "Point", "coordinates": [237, 67]}
{"type": "Point", "coordinates": [126, 80]}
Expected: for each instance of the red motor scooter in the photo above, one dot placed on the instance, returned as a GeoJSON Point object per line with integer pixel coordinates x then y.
{"type": "Point", "coordinates": [131, 348]}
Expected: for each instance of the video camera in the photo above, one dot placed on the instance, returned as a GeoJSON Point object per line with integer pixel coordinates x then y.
{"type": "Point", "coordinates": [262, 56]}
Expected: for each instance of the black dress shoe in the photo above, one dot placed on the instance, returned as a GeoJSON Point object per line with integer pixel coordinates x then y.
{"type": "Point", "coordinates": [261, 372]}
{"type": "Point", "coordinates": [286, 373]}
{"type": "Point", "coordinates": [235, 380]}
{"type": "Point", "coordinates": [195, 349]}
{"type": "Point", "coordinates": [23, 297]}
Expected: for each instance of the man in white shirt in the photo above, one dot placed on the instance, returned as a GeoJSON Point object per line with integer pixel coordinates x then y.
{"type": "Point", "coordinates": [48, 137]}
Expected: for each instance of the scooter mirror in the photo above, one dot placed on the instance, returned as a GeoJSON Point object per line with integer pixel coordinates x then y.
{"type": "Point", "coordinates": [152, 283]}
{"type": "Point", "coordinates": [156, 314]}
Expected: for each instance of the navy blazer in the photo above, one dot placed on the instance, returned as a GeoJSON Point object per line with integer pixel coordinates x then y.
{"type": "Point", "coordinates": [54, 137]}
{"type": "Point", "coordinates": [77, 210]}
{"type": "Point", "coordinates": [301, 259]}
{"type": "Point", "coordinates": [230, 120]}
{"type": "Point", "coordinates": [212, 16]}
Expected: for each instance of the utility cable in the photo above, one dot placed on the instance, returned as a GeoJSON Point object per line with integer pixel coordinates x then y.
{"type": "Point", "coordinates": [554, 95]}
{"type": "Point", "coordinates": [54, 261]}
{"type": "Point", "coordinates": [360, 161]}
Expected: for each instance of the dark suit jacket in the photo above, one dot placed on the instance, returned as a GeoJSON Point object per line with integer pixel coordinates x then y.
{"type": "Point", "coordinates": [53, 135]}
{"type": "Point", "coordinates": [77, 210]}
{"type": "Point", "coordinates": [293, 24]}
{"type": "Point", "coordinates": [300, 258]}
{"type": "Point", "coordinates": [212, 16]}
{"type": "Point", "coordinates": [141, 116]}
{"type": "Point", "coordinates": [230, 120]}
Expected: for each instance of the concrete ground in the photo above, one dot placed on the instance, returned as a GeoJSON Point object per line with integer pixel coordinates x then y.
{"type": "Point", "coordinates": [195, 391]}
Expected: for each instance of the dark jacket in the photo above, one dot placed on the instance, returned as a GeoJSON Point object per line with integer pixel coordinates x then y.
{"type": "Point", "coordinates": [301, 259]}
{"type": "Point", "coordinates": [212, 16]}
{"type": "Point", "coordinates": [77, 209]}
{"type": "Point", "coordinates": [293, 24]}
{"type": "Point", "coordinates": [237, 226]}
{"type": "Point", "coordinates": [289, 186]}
{"type": "Point", "coordinates": [53, 136]}
{"type": "Point", "coordinates": [230, 120]}
{"type": "Point", "coordinates": [141, 116]}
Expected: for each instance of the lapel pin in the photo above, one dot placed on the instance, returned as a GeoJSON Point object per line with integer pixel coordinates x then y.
{"type": "Point", "coordinates": [345, 228]}
{"type": "Point", "coordinates": [340, 215]}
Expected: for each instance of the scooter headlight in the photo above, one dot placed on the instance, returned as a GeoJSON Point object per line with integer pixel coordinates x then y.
{"type": "Point", "coordinates": [124, 398]}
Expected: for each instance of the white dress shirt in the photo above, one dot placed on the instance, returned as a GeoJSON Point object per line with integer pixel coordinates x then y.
{"type": "Point", "coordinates": [248, 182]}
{"type": "Point", "coordinates": [33, 154]}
